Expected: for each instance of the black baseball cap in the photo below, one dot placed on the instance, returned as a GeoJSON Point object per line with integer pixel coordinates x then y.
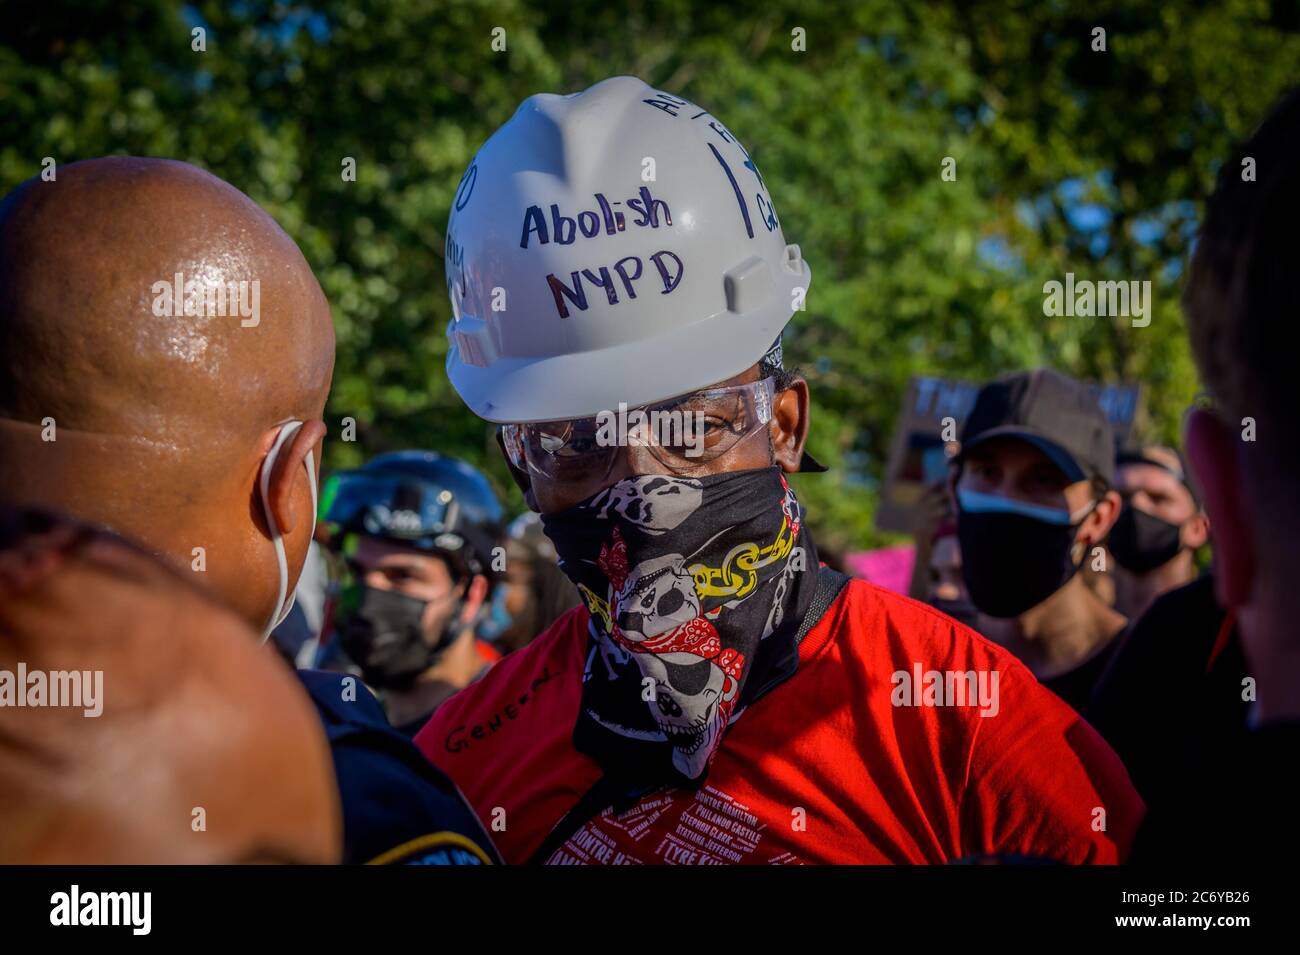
{"type": "Point", "coordinates": [1053, 412]}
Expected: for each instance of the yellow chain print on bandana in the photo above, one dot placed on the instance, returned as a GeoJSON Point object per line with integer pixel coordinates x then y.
{"type": "Point", "coordinates": [738, 574]}
{"type": "Point", "coordinates": [597, 606]}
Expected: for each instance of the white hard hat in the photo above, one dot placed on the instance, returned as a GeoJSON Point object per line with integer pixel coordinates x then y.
{"type": "Point", "coordinates": [615, 245]}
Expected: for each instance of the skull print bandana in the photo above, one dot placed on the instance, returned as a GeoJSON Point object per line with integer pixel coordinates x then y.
{"type": "Point", "coordinates": [696, 588]}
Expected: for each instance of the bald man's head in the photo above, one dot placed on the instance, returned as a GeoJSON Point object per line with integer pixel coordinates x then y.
{"type": "Point", "coordinates": [84, 261]}
{"type": "Point", "coordinates": [121, 399]}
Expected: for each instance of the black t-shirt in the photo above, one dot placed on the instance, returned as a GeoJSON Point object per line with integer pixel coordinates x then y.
{"type": "Point", "coordinates": [1076, 686]}
{"type": "Point", "coordinates": [1171, 705]}
{"type": "Point", "coordinates": [1236, 809]}
{"type": "Point", "coordinates": [1161, 705]}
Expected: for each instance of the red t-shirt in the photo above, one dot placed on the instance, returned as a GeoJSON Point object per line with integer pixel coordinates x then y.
{"type": "Point", "coordinates": [829, 767]}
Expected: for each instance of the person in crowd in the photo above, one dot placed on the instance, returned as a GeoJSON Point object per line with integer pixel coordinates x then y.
{"type": "Point", "coordinates": [535, 592]}
{"type": "Point", "coordinates": [936, 568]}
{"type": "Point", "coordinates": [931, 519]}
{"type": "Point", "coordinates": [165, 354]}
{"type": "Point", "coordinates": [1033, 488]}
{"type": "Point", "coordinates": [1159, 529]}
{"type": "Point", "coordinates": [419, 534]}
{"type": "Point", "coordinates": [127, 739]}
{"type": "Point", "coordinates": [947, 590]}
{"type": "Point", "coordinates": [1173, 699]}
{"type": "Point", "coordinates": [719, 697]}
{"type": "Point", "coordinates": [1098, 578]}
{"type": "Point", "coordinates": [1235, 790]}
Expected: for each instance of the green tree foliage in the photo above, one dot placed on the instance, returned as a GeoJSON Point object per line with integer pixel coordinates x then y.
{"type": "Point", "coordinates": [1067, 158]}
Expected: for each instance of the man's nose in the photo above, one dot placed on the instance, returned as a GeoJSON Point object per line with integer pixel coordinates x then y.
{"type": "Point", "coordinates": [629, 462]}
{"type": "Point", "coordinates": [1005, 487]}
{"type": "Point", "coordinates": [633, 461]}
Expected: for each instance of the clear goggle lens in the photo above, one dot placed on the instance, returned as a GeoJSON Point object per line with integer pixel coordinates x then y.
{"type": "Point", "coordinates": [682, 434]}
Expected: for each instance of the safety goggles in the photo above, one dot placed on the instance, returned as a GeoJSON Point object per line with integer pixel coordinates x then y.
{"type": "Point", "coordinates": [683, 434]}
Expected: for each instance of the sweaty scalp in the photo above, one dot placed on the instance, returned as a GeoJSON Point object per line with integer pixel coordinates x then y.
{"type": "Point", "coordinates": [81, 259]}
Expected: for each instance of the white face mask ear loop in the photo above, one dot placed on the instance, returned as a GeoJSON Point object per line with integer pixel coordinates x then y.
{"type": "Point", "coordinates": [311, 480]}
{"type": "Point", "coordinates": [282, 562]}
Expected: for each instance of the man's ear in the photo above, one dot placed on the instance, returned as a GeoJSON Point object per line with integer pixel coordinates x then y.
{"type": "Point", "coordinates": [1094, 528]}
{"type": "Point", "coordinates": [475, 595]}
{"type": "Point", "coordinates": [521, 478]}
{"type": "Point", "coordinates": [1196, 531]}
{"type": "Point", "coordinates": [1103, 517]}
{"type": "Point", "coordinates": [789, 427]}
{"type": "Point", "coordinates": [289, 494]}
{"type": "Point", "coordinates": [1212, 449]}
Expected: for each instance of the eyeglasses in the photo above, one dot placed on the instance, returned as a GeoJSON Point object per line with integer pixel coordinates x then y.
{"type": "Point", "coordinates": [682, 435]}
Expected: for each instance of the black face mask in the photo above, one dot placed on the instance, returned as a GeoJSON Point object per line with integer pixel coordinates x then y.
{"type": "Point", "coordinates": [1012, 556]}
{"type": "Point", "coordinates": [1141, 542]}
{"type": "Point", "coordinates": [381, 632]}
{"type": "Point", "coordinates": [963, 611]}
